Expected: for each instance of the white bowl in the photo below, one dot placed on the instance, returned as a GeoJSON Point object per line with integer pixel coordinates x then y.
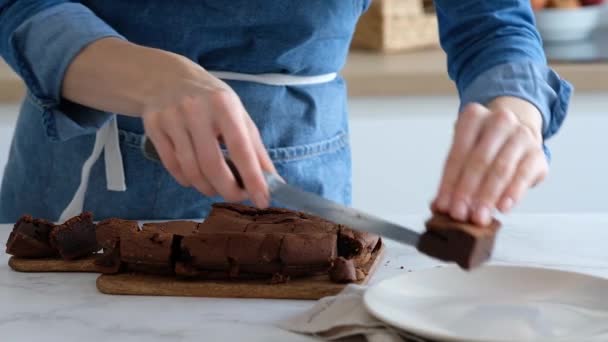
{"type": "Point", "coordinates": [556, 24]}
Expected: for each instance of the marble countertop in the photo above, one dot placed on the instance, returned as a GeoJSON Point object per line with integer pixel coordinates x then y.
{"type": "Point", "coordinates": [68, 307]}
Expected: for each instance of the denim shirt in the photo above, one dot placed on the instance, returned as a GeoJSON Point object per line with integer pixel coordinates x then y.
{"type": "Point", "coordinates": [493, 50]}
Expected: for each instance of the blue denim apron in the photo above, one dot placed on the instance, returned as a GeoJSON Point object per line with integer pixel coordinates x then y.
{"type": "Point", "coordinates": [304, 126]}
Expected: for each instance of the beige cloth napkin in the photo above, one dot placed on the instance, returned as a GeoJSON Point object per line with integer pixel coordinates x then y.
{"type": "Point", "coordinates": [344, 318]}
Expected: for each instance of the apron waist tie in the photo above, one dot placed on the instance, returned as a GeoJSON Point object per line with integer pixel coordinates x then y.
{"type": "Point", "coordinates": [107, 139]}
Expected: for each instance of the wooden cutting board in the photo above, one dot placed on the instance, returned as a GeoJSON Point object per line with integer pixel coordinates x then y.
{"type": "Point", "coordinates": [53, 265]}
{"type": "Point", "coordinates": [305, 288]}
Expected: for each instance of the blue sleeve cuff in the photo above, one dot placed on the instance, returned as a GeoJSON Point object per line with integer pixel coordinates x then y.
{"type": "Point", "coordinates": [43, 46]}
{"type": "Point", "coordinates": [68, 120]}
{"type": "Point", "coordinates": [539, 85]}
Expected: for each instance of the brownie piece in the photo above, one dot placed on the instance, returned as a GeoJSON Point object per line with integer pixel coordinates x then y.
{"type": "Point", "coordinates": [226, 217]}
{"type": "Point", "coordinates": [315, 249]}
{"type": "Point", "coordinates": [108, 234]}
{"type": "Point", "coordinates": [206, 251]}
{"type": "Point", "coordinates": [109, 261]}
{"type": "Point", "coordinates": [108, 231]}
{"type": "Point", "coordinates": [463, 243]}
{"type": "Point", "coordinates": [149, 250]}
{"type": "Point", "coordinates": [233, 253]}
{"type": "Point", "coordinates": [300, 258]}
{"type": "Point", "coordinates": [30, 238]}
{"type": "Point", "coordinates": [179, 228]}
{"type": "Point", "coordinates": [75, 238]}
{"type": "Point", "coordinates": [356, 245]}
{"type": "Point", "coordinates": [343, 271]}
{"type": "Point", "coordinates": [256, 253]}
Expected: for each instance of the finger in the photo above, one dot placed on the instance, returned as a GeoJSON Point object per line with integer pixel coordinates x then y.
{"type": "Point", "coordinates": [184, 152]}
{"type": "Point", "coordinates": [500, 175]}
{"type": "Point", "coordinates": [260, 149]}
{"type": "Point", "coordinates": [466, 134]}
{"type": "Point", "coordinates": [244, 156]}
{"type": "Point", "coordinates": [231, 125]}
{"type": "Point", "coordinates": [495, 133]}
{"type": "Point", "coordinates": [532, 169]}
{"type": "Point", "coordinates": [209, 157]}
{"type": "Point", "coordinates": [164, 148]}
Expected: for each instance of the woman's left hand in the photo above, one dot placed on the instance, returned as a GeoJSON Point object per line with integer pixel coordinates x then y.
{"type": "Point", "coordinates": [496, 156]}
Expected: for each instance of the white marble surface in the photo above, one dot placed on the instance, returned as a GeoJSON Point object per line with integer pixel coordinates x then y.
{"type": "Point", "coordinates": [67, 307]}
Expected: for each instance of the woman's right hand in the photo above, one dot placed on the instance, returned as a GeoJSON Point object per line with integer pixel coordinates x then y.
{"type": "Point", "coordinates": [186, 113]}
{"type": "Point", "coordinates": [187, 118]}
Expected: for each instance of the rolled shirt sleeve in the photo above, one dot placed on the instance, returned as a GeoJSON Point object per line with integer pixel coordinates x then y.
{"type": "Point", "coordinates": [536, 84]}
{"type": "Point", "coordinates": [494, 50]}
{"type": "Point", "coordinates": [39, 41]}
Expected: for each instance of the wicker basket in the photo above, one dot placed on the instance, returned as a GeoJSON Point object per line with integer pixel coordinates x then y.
{"type": "Point", "coordinates": [397, 25]}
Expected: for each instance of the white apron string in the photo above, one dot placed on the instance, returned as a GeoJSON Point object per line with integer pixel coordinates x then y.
{"type": "Point", "coordinates": [107, 139]}
{"type": "Point", "coordinates": [274, 79]}
{"type": "Point", "coordinates": [115, 174]}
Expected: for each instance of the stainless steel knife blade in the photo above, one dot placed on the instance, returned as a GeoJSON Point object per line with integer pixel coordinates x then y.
{"type": "Point", "coordinates": [313, 204]}
{"type": "Point", "coordinates": [316, 205]}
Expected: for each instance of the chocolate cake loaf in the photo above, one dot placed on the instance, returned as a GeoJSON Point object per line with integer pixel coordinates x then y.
{"type": "Point", "coordinates": [30, 239]}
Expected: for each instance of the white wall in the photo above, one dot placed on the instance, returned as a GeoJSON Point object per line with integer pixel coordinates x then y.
{"type": "Point", "coordinates": [399, 146]}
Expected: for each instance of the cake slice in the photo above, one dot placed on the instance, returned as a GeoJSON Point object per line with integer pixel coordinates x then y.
{"type": "Point", "coordinates": [178, 228]}
{"type": "Point", "coordinates": [75, 238]}
{"type": "Point", "coordinates": [234, 254]}
{"type": "Point", "coordinates": [108, 231]}
{"type": "Point", "coordinates": [358, 246]}
{"type": "Point", "coordinates": [30, 239]}
{"type": "Point", "coordinates": [148, 250]}
{"type": "Point", "coordinates": [155, 247]}
{"type": "Point", "coordinates": [343, 271]}
{"type": "Point", "coordinates": [308, 254]}
{"type": "Point", "coordinates": [465, 244]}
{"type": "Point", "coordinates": [108, 234]}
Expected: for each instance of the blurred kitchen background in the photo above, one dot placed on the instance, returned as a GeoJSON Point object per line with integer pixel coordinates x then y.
{"type": "Point", "coordinates": [403, 107]}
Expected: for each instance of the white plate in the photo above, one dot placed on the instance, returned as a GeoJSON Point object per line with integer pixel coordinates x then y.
{"type": "Point", "coordinates": [494, 303]}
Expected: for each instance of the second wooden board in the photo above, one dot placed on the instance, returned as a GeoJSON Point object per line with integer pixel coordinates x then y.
{"type": "Point", "coordinates": [303, 288]}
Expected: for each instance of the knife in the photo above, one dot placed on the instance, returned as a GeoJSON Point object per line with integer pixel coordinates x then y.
{"type": "Point", "coordinates": [313, 204]}
{"type": "Point", "coordinates": [449, 241]}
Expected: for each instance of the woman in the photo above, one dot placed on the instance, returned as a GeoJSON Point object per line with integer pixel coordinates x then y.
{"type": "Point", "coordinates": [259, 79]}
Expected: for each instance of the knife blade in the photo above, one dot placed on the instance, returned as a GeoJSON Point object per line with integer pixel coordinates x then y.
{"type": "Point", "coordinates": [319, 206]}
{"type": "Point", "coordinates": [316, 205]}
